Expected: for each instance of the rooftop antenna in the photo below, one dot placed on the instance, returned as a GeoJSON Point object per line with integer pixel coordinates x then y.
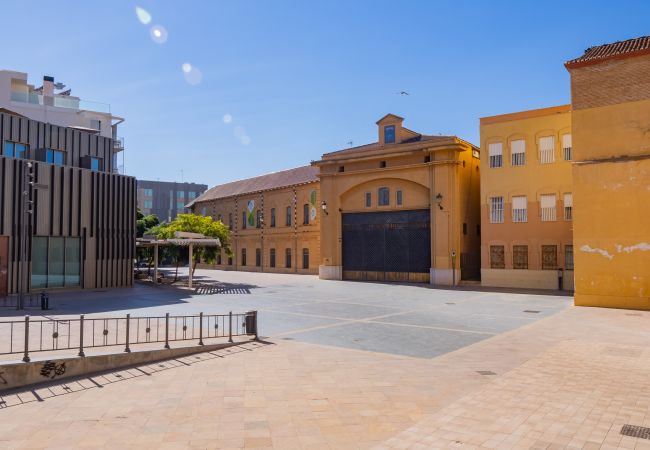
{"type": "Point", "coordinates": [350, 143]}
{"type": "Point", "coordinates": [181, 175]}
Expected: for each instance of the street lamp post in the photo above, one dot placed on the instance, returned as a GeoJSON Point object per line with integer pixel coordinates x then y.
{"type": "Point", "coordinates": [26, 209]}
{"type": "Point", "coordinates": [29, 186]}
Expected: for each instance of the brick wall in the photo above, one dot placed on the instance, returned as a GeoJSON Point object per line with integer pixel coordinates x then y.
{"type": "Point", "coordinates": [611, 82]}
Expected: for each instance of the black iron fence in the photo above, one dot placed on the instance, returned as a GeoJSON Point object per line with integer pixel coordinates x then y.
{"type": "Point", "coordinates": [46, 335]}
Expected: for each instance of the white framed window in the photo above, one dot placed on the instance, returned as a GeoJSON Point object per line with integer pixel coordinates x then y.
{"type": "Point", "coordinates": [496, 209]}
{"type": "Point", "coordinates": [495, 152]}
{"type": "Point", "coordinates": [547, 203]}
{"type": "Point", "coordinates": [520, 208]}
{"type": "Point", "coordinates": [518, 152]}
{"type": "Point", "coordinates": [547, 149]}
{"type": "Point", "coordinates": [567, 147]}
{"type": "Point", "coordinates": [568, 206]}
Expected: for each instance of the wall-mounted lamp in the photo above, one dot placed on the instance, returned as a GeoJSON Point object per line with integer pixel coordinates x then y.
{"type": "Point", "coordinates": [323, 206]}
{"type": "Point", "coordinates": [439, 200]}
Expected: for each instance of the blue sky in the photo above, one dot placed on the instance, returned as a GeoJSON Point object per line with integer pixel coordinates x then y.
{"type": "Point", "coordinates": [301, 78]}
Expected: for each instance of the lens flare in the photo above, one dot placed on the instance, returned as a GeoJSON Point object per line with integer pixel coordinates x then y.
{"type": "Point", "coordinates": [191, 74]}
{"type": "Point", "coordinates": [239, 132]}
{"type": "Point", "coordinates": [227, 118]}
{"type": "Point", "coordinates": [158, 34]}
{"type": "Point", "coordinates": [245, 140]}
{"type": "Point", "coordinates": [143, 15]}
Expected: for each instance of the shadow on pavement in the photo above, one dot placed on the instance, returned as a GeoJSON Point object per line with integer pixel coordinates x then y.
{"type": "Point", "coordinates": [46, 391]}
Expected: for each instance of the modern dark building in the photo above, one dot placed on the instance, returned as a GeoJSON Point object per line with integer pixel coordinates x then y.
{"type": "Point", "coordinates": [68, 220]}
{"type": "Point", "coordinates": [166, 199]}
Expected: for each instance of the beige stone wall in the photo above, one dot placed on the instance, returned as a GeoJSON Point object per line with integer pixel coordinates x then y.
{"type": "Point", "coordinates": [296, 237]}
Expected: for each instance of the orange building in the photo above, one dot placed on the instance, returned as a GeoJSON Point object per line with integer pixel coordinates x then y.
{"type": "Point", "coordinates": [404, 208]}
{"type": "Point", "coordinates": [610, 94]}
{"type": "Point", "coordinates": [274, 221]}
{"type": "Point", "coordinates": [527, 199]}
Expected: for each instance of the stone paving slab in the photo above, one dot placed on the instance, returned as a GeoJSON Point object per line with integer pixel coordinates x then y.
{"type": "Point", "coordinates": [567, 381]}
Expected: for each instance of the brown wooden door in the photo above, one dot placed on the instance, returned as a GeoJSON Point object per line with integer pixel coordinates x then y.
{"type": "Point", "coordinates": [4, 264]}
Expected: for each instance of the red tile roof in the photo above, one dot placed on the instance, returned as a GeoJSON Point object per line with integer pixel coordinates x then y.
{"type": "Point", "coordinates": [275, 180]}
{"type": "Point", "coordinates": [630, 47]}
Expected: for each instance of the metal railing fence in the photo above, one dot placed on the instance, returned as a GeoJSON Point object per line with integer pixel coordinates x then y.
{"type": "Point", "coordinates": [42, 335]}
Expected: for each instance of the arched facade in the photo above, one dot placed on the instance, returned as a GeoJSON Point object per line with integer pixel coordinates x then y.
{"type": "Point", "coordinates": [405, 210]}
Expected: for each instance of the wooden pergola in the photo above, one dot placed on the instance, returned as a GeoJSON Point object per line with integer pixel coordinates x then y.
{"type": "Point", "coordinates": [181, 239]}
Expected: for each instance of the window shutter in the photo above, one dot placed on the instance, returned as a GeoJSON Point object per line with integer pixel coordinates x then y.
{"type": "Point", "coordinates": [519, 202]}
{"type": "Point", "coordinates": [568, 200]}
{"type": "Point", "coordinates": [548, 201]}
{"type": "Point", "coordinates": [547, 149]}
{"type": "Point", "coordinates": [495, 149]}
{"type": "Point", "coordinates": [518, 146]}
{"type": "Point", "coordinates": [547, 143]}
{"type": "Point", "coordinates": [566, 141]}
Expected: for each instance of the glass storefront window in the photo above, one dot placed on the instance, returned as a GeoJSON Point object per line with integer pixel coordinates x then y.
{"type": "Point", "coordinates": [39, 262]}
{"type": "Point", "coordinates": [72, 262]}
{"type": "Point", "coordinates": [56, 262]}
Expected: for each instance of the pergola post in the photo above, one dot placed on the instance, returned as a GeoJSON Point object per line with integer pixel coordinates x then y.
{"type": "Point", "coordinates": [155, 263]}
{"type": "Point", "coordinates": [190, 277]}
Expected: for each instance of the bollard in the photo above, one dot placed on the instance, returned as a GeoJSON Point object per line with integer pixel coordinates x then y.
{"type": "Point", "coordinates": [167, 330]}
{"type": "Point", "coordinates": [26, 357]}
{"type": "Point", "coordinates": [128, 329]}
{"type": "Point", "coordinates": [201, 328]}
{"type": "Point", "coordinates": [81, 335]}
{"type": "Point", "coordinates": [230, 326]}
{"type": "Point", "coordinates": [256, 336]}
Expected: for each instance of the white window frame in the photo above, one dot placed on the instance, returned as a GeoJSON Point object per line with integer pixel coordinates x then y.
{"type": "Point", "coordinates": [567, 147]}
{"type": "Point", "coordinates": [547, 149]}
{"type": "Point", "coordinates": [519, 208]}
{"type": "Point", "coordinates": [518, 152]}
{"type": "Point", "coordinates": [495, 155]}
{"type": "Point", "coordinates": [548, 207]}
{"type": "Point", "coordinates": [496, 209]}
{"type": "Point", "coordinates": [568, 206]}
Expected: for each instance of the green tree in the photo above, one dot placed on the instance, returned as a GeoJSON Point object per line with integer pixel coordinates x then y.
{"type": "Point", "coordinates": [192, 223]}
{"type": "Point", "coordinates": [144, 223]}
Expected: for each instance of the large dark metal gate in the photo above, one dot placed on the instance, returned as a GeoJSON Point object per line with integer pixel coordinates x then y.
{"type": "Point", "coordinates": [387, 246]}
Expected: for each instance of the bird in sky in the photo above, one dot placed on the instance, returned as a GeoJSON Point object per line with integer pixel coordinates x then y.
{"type": "Point", "coordinates": [403, 93]}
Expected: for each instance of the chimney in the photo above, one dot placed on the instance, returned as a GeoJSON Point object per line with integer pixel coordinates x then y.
{"type": "Point", "coordinates": [48, 86]}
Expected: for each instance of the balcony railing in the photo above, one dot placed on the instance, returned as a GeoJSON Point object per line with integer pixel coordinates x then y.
{"type": "Point", "coordinates": [118, 144]}
{"type": "Point", "coordinates": [60, 101]}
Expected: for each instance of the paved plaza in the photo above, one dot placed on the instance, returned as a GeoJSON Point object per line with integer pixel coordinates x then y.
{"type": "Point", "coordinates": [354, 366]}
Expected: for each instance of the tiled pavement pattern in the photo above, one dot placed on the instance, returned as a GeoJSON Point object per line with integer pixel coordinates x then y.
{"type": "Point", "coordinates": [399, 319]}
{"type": "Point", "coordinates": [577, 395]}
{"type": "Point", "coordinates": [570, 380]}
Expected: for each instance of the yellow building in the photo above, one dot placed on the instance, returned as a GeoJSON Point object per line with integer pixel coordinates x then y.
{"type": "Point", "coordinates": [405, 208]}
{"type": "Point", "coordinates": [274, 220]}
{"type": "Point", "coordinates": [526, 199]}
{"type": "Point", "coordinates": [610, 90]}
